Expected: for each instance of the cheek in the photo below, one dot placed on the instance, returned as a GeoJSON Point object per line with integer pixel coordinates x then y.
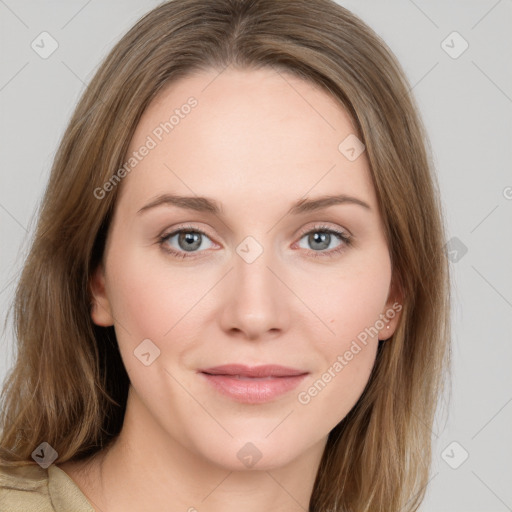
{"type": "Point", "coordinates": [147, 298]}
{"type": "Point", "coordinates": [329, 396]}
{"type": "Point", "coordinates": [350, 304]}
{"type": "Point", "coordinates": [350, 299]}
{"type": "Point", "coordinates": [149, 301]}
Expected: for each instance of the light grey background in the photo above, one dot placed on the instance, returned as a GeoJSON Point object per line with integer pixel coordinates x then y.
{"type": "Point", "coordinates": [466, 103]}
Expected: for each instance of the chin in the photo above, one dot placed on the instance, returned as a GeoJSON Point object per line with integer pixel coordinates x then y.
{"type": "Point", "coordinates": [246, 455]}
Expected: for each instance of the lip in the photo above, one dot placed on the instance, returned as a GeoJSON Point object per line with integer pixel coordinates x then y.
{"type": "Point", "coordinates": [253, 385]}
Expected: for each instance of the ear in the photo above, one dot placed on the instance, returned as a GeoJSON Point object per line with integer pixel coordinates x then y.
{"type": "Point", "coordinates": [101, 312]}
{"type": "Point", "coordinates": [391, 315]}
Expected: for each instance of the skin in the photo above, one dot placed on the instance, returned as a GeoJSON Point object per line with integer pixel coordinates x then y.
{"type": "Point", "coordinates": [257, 142]}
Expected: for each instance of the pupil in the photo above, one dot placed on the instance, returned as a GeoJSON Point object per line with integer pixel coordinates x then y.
{"type": "Point", "coordinates": [192, 241]}
{"type": "Point", "coordinates": [322, 238]}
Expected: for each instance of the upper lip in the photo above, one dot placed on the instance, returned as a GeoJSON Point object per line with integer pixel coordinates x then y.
{"type": "Point", "coordinates": [267, 370]}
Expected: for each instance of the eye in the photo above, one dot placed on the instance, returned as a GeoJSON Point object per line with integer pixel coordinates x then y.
{"type": "Point", "coordinates": [188, 241]}
{"type": "Point", "coordinates": [321, 238]}
{"type": "Point", "coordinates": [185, 240]}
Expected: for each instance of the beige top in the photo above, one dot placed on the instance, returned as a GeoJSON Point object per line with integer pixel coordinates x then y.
{"type": "Point", "coordinates": [34, 489]}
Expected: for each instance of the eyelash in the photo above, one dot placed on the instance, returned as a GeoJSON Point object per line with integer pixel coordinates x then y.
{"type": "Point", "coordinates": [343, 237]}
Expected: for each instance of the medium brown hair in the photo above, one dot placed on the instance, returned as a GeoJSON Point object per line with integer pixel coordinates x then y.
{"type": "Point", "coordinates": [68, 385]}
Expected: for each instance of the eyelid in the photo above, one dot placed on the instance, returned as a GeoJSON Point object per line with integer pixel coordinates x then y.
{"type": "Point", "coordinates": [324, 226]}
{"type": "Point", "coordinates": [166, 233]}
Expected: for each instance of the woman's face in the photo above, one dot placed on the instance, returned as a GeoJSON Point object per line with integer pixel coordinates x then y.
{"type": "Point", "coordinates": [257, 276]}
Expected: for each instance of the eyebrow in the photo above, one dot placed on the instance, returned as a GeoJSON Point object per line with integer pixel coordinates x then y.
{"type": "Point", "coordinates": [205, 204]}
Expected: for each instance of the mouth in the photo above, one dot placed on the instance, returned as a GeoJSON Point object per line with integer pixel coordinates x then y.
{"type": "Point", "coordinates": [253, 385]}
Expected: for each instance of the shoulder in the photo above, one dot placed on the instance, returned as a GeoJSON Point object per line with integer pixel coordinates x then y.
{"type": "Point", "coordinates": [24, 488]}
{"type": "Point", "coordinates": [31, 488]}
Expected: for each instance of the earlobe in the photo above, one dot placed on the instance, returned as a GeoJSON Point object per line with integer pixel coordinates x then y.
{"type": "Point", "coordinates": [390, 318]}
{"type": "Point", "coordinates": [392, 313]}
{"type": "Point", "coordinates": [101, 313]}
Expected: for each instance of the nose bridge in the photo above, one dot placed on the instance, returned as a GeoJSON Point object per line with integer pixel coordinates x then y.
{"type": "Point", "coordinates": [255, 304]}
{"type": "Point", "coordinates": [253, 279]}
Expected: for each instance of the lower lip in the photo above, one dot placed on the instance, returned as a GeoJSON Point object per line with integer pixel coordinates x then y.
{"type": "Point", "coordinates": [253, 391]}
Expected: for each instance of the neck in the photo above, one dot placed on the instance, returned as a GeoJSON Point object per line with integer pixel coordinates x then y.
{"type": "Point", "coordinates": [146, 469]}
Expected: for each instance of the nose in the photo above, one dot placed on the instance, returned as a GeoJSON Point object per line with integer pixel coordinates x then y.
{"type": "Point", "coordinates": [256, 302]}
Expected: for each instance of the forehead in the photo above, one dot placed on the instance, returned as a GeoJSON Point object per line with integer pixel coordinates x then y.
{"type": "Point", "coordinates": [255, 135]}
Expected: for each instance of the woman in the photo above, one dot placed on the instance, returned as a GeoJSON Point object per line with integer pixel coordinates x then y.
{"type": "Point", "coordinates": [237, 295]}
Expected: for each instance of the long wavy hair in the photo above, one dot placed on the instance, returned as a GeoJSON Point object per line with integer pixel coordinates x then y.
{"type": "Point", "coordinates": [68, 385]}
